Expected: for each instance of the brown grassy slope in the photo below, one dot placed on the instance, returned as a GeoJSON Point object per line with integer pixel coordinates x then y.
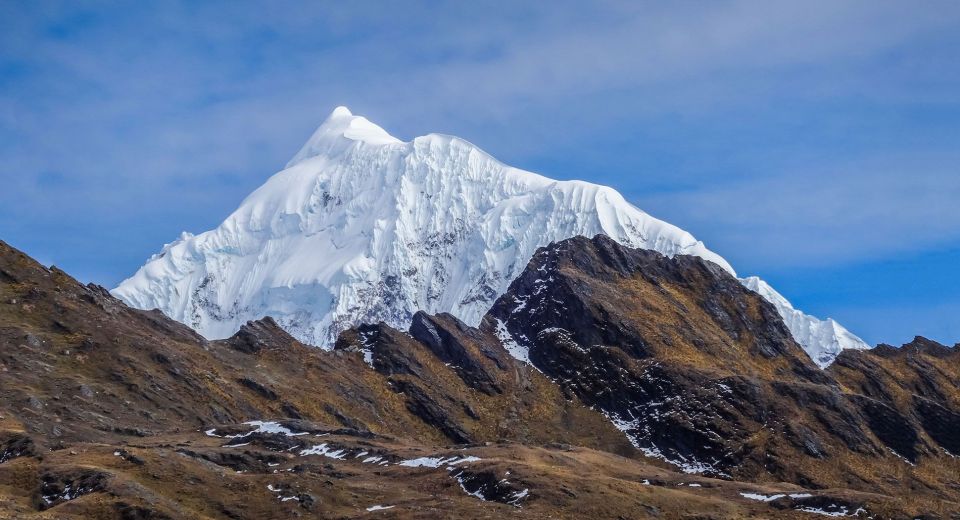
{"type": "Point", "coordinates": [711, 374]}
{"type": "Point", "coordinates": [84, 377]}
{"type": "Point", "coordinates": [77, 364]}
{"type": "Point", "coordinates": [189, 475]}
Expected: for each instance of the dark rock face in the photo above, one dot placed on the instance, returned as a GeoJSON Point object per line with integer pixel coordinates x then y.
{"type": "Point", "coordinates": [255, 336]}
{"type": "Point", "coordinates": [425, 407]}
{"type": "Point", "coordinates": [243, 461]}
{"type": "Point", "coordinates": [615, 327]}
{"type": "Point", "coordinates": [699, 371]}
{"type": "Point", "coordinates": [486, 485]}
{"type": "Point", "coordinates": [467, 349]}
{"type": "Point", "coordinates": [260, 389]}
{"type": "Point", "coordinates": [940, 423]}
{"type": "Point", "coordinates": [16, 444]}
{"type": "Point", "coordinates": [893, 429]}
{"type": "Point", "coordinates": [911, 395]}
{"type": "Point", "coordinates": [403, 361]}
{"type": "Point", "coordinates": [456, 379]}
{"type": "Point", "coordinates": [62, 486]}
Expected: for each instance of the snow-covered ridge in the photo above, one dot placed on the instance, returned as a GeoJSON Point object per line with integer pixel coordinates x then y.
{"type": "Point", "coordinates": [363, 227]}
{"type": "Point", "coordinates": [822, 339]}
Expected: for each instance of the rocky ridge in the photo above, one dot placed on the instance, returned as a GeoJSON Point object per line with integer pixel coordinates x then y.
{"type": "Point", "coordinates": [607, 381]}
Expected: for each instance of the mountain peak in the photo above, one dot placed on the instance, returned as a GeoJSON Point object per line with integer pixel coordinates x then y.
{"type": "Point", "coordinates": [340, 130]}
{"type": "Point", "coordinates": [364, 228]}
{"type": "Point", "coordinates": [340, 111]}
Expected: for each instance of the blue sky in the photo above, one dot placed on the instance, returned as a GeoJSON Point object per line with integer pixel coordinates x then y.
{"type": "Point", "coordinates": [814, 143]}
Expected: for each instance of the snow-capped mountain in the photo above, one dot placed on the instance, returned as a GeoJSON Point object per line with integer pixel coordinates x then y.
{"type": "Point", "coordinates": [362, 227]}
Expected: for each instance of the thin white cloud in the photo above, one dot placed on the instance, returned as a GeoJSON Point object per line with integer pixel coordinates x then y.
{"type": "Point", "coordinates": [828, 214]}
{"type": "Point", "coordinates": [135, 106]}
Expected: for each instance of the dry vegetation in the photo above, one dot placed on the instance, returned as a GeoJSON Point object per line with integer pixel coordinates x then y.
{"type": "Point", "coordinates": [104, 409]}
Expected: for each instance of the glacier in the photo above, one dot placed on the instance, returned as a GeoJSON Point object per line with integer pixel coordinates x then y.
{"type": "Point", "coordinates": [362, 227]}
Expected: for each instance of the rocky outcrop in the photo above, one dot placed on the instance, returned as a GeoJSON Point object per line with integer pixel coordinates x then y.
{"type": "Point", "coordinates": [258, 335]}
{"type": "Point", "coordinates": [910, 394]}
{"type": "Point", "coordinates": [57, 487]}
{"type": "Point", "coordinates": [16, 444]}
{"type": "Point", "coordinates": [477, 357]}
{"type": "Point", "coordinates": [702, 373]}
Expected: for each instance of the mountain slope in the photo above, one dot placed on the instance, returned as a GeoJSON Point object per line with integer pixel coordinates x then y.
{"type": "Point", "coordinates": [77, 363]}
{"type": "Point", "coordinates": [113, 412]}
{"type": "Point", "coordinates": [362, 227]}
{"type": "Point", "coordinates": [699, 371]}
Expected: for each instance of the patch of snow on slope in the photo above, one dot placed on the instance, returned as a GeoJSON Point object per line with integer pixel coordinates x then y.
{"type": "Point", "coordinates": [326, 451]}
{"type": "Point", "coordinates": [436, 462]}
{"type": "Point", "coordinates": [272, 427]}
{"type": "Point", "coordinates": [261, 427]}
{"type": "Point", "coordinates": [762, 498]}
{"type": "Point", "coordinates": [518, 351]}
{"type": "Point", "coordinates": [840, 511]}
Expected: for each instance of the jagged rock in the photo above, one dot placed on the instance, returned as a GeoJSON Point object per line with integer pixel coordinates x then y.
{"type": "Point", "coordinates": [260, 389]}
{"type": "Point", "coordinates": [940, 423]}
{"type": "Point", "coordinates": [255, 336]}
{"type": "Point", "coordinates": [486, 485]}
{"type": "Point", "coordinates": [239, 461]}
{"type": "Point", "coordinates": [16, 444]}
{"type": "Point", "coordinates": [61, 486]}
{"type": "Point", "coordinates": [693, 367]}
{"type": "Point", "coordinates": [444, 335]}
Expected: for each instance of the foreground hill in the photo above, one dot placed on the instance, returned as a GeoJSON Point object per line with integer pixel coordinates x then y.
{"type": "Point", "coordinates": [607, 382]}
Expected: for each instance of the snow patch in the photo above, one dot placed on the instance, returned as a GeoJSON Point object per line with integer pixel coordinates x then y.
{"type": "Point", "coordinates": [762, 498]}
{"type": "Point", "coordinates": [518, 351]}
{"type": "Point", "coordinates": [261, 427]}
{"type": "Point", "coordinates": [436, 462]}
{"type": "Point", "coordinates": [838, 512]}
{"type": "Point", "coordinates": [326, 451]}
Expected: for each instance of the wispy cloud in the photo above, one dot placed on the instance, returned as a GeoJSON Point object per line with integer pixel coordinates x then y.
{"type": "Point", "coordinates": [782, 132]}
{"type": "Point", "coordinates": [830, 213]}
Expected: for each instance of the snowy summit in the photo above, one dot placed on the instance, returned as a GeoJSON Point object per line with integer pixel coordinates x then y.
{"type": "Point", "coordinates": [363, 227]}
